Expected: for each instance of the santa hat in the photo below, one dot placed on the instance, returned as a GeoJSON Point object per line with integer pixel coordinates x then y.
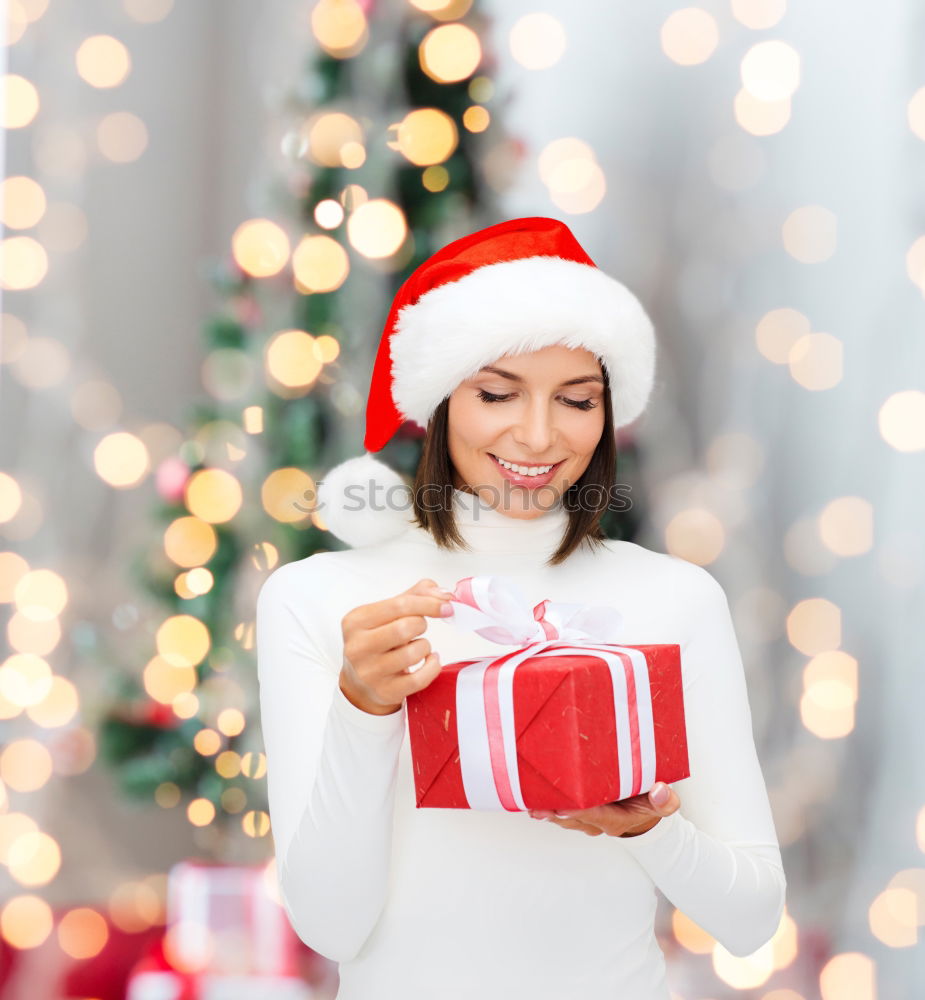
{"type": "Point", "coordinates": [512, 288]}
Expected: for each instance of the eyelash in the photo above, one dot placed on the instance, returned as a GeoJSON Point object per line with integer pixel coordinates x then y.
{"type": "Point", "coordinates": [490, 397]}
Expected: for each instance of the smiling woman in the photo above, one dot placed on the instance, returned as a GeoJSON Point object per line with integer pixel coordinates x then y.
{"type": "Point", "coordinates": [504, 293]}
{"type": "Point", "coordinates": [541, 434]}
{"type": "Point", "coordinates": [493, 441]}
{"type": "Point", "coordinates": [521, 359]}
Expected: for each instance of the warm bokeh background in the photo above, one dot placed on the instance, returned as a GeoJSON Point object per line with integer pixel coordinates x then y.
{"type": "Point", "coordinates": [206, 209]}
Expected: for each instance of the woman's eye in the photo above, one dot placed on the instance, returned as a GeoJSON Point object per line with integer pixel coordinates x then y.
{"type": "Point", "coordinates": [578, 404]}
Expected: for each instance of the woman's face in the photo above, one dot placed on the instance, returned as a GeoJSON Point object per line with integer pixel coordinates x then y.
{"type": "Point", "coordinates": [539, 409]}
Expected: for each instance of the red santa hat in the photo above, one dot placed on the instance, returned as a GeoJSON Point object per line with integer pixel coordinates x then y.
{"type": "Point", "coordinates": [512, 288]}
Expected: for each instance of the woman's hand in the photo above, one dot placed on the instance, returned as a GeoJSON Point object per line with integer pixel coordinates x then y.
{"type": "Point", "coordinates": [626, 818]}
{"type": "Point", "coordinates": [382, 657]}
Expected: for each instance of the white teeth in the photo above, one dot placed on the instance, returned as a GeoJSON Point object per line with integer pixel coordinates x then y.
{"type": "Point", "coordinates": [525, 470]}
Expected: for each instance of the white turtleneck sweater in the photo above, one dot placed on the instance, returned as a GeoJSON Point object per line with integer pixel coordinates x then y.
{"type": "Point", "coordinates": [440, 904]}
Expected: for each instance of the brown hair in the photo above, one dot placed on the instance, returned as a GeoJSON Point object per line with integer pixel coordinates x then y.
{"type": "Point", "coordinates": [435, 477]}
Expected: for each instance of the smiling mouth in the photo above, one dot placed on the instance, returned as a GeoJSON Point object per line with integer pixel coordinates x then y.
{"type": "Point", "coordinates": [548, 467]}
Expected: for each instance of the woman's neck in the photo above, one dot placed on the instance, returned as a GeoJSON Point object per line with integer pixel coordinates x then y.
{"type": "Point", "coordinates": [486, 529]}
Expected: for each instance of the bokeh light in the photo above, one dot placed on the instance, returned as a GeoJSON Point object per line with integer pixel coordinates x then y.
{"type": "Point", "coordinates": [183, 641]}
{"type": "Point", "coordinates": [319, 264]}
{"type": "Point", "coordinates": [814, 626]}
{"type": "Point", "coordinates": [25, 679]}
{"type": "Point", "coordinates": [450, 52]}
{"type": "Point", "coordinates": [377, 228]}
{"type": "Point", "coordinates": [40, 595]}
{"type": "Point", "coordinates": [121, 460]}
{"type": "Point", "coordinates": [778, 330]}
{"type": "Point", "coordinates": [689, 36]}
{"type": "Point", "coordinates": [165, 681]}
{"type": "Point", "coordinates": [10, 503]}
{"type": "Point", "coordinates": [426, 136]}
{"type": "Point", "coordinates": [759, 117]}
{"type": "Point", "coordinates": [340, 27]}
{"type": "Point", "coordinates": [260, 247]}
{"type": "Point", "coordinates": [848, 976]}
{"type": "Point", "coordinates": [82, 933]}
{"type": "Point", "coordinates": [537, 40]}
{"type": "Point", "coordinates": [292, 359]}
{"type": "Point", "coordinates": [26, 921]}
{"type": "Point", "coordinates": [830, 692]}
{"type": "Point", "coordinates": [190, 541]}
{"type": "Point", "coordinates": [696, 535]}
{"type": "Point", "coordinates": [34, 858]}
{"type": "Point", "coordinates": [122, 137]}
{"type": "Point", "coordinates": [569, 169]}
{"type": "Point", "coordinates": [213, 495]}
{"type": "Point", "coordinates": [901, 420]}
{"type": "Point", "coordinates": [58, 707]}
{"type": "Point", "coordinates": [23, 265]}
{"type": "Point", "coordinates": [330, 135]}
{"type": "Point", "coordinates": [22, 202]}
{"type": "Point", "coordinates": [288, 495]}
{"type": "Point", "coordinates": [20, 101]}
{"type": "Point", "coordinates": [200, 812]}
{"type": "Point", "coordinates": [103, 61]}
{"type": "Point", "coordinates": [846, 526]}
{"type": "Point", "coordinates": [759, 14]}
{"type": "Point", "coordinates": [816, 361]}
{"type": "Point", "coordinates": [771, 71]}
{"type": "Point", "coordinates": [744, 972]}
{"type": "Point", "coordinates": [25, 765]}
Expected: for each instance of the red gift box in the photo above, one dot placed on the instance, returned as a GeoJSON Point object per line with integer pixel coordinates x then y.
{"type": "Point", "coordinates": [563, 722]}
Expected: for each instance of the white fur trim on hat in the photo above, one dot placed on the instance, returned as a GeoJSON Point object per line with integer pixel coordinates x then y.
{"type": "Point", "coordinates": [363, 501]}
{"type": "Point", "coordinates": [515, 307]}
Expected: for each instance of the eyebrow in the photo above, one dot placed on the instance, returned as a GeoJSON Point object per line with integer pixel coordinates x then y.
{"type": "Point", "coordinates": [516, 378]}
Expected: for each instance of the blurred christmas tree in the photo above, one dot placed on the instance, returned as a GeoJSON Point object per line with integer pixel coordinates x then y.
{"type": "Point", "coordinates": [389, 153]}
{"type": "Point", "coordinates": [392, 148]}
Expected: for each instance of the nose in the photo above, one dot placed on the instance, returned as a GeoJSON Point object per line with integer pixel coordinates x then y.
{"type": "Point", "coordinates": [534, 431]}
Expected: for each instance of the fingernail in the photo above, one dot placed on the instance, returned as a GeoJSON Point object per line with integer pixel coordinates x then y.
{"type": "Point", "coordinates": [660, 794]}
{"type": "Point", "coordinates": [446, 608]}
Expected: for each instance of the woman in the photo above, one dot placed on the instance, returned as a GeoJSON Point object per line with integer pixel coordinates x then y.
{"type": "Point", "coordinates": [521, 358]}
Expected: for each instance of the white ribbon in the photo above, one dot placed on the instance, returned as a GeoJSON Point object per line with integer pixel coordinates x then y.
{"type": "Point", "coordinates": [495, 608]}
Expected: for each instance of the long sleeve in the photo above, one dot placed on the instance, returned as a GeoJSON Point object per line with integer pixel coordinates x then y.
{"type": "Point", "coordinates": [717, 858]}
{"type": "Point", "coordinates": [331, 768]}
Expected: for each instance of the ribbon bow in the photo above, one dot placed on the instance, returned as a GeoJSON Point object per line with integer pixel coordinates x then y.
{"type": "Point", "coordinates": [495, 608]}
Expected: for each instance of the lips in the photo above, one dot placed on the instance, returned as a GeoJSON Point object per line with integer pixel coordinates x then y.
{"type": "Point", "coordinates": [528, 481]}
{"type": "Point", "coordinates": [531, 465]}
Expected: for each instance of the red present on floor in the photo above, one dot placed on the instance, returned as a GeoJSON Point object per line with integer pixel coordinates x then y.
{"type": "Point", "coordinates": [570, 719]}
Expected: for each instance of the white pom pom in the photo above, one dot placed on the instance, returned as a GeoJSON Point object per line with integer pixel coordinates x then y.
{"type": "Point", "coordinates": [364, 502]}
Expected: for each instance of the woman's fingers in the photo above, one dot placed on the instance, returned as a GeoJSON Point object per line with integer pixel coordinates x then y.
{"type": "Point", "coordinates": [425, 671]}
{"type": "Point", "coordinates": [397, 633]}
{"type": "Point", "coordinates": [385, 656]}
{"type": "Point", "coordinates": [615, 818]}
{"type": "Point", "coordinates": [424, 598]}
{"type": "Point", "coordinates": [574, 824]}
{"type": "Point", "coordinates": [397, 661]}
{"type": "Point", "coordinates": [669, 805]}
{"type": "Point", "coordinates": [413, 678]}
